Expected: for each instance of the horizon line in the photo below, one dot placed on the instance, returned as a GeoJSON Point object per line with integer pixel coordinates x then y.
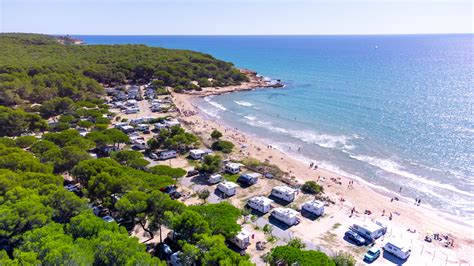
{"type": "Point", "coordinates": [289, 35]}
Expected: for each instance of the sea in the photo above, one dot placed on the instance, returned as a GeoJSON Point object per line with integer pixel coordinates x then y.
{"type": "Point", "coordinates": [393, 111]}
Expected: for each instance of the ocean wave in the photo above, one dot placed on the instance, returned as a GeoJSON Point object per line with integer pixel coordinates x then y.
{"type": "Point", "coordinates": [217, 105]}
{"type": "Point", "coordinates": [209, 112]}
{"type": "Point", "coordinates": [322, 140]}
{"type": "Point", "coordinates": [393, 167]}
{"type": "Point", "coordinates": [242, 103]}
{"type": "Point", "coordinates": [251, 118]}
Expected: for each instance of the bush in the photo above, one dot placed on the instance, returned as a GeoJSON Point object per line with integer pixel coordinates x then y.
{"type": "Point", "coordinates": [25, 141]}
{"type": "Point", "coordinates": [312, 187]}
{"type": "Point", "coordinates": [216, 134]}
{"type": "Point", "coordinates": [344, 259]}
{"type": "Point", "coordinates": [223, 146]}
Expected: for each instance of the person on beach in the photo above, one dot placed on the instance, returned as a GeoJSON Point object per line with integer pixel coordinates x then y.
{"type": "Point", "coordinates": [400, 189]}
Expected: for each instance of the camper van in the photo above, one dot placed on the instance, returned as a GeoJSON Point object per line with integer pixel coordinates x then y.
{"type": "Point", "coordinates": [284, 193]}
{"type": "Point", "coordinates": [214, 179]}
{"type": "Point", "coordinates": [228, 188]}
{"type": "Point", "coordinates": [286, 215]}
{"type": "Point", "coordinates": [315, 207]}
{"type": "Point", "coordinates": [241, 240]}
{"type": "Point", "coordinates": [249, 179]}
{"type": "Point", "coordinates": [368, 230]}
{"type": "Point", "coordinates": [143, 127]}
{"type": "Point", "coordinates": [232, 168]}
{"type": "Point", "coordinates": [168, 154]}
{"type": "Point", "coordinates": [132, 110]}
{"type": "Point", "coordinates": [398, 248]}
{"type": "Point", "coordinates": [197, 154]}
{"type": "Point", "coordinates": [172, 123]}
{"type": "Point", "coordinates": [261, 204]}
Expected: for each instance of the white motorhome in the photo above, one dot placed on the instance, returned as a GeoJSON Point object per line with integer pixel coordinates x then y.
{"type": "Point", "coordinates": [132, 110]}
{"type": "Point", "coordinates": [315, 207]}
{"type": "Point", "coordinates": [228, 188]}
{"type": "Point", "coordinates": [285, 215]}
{"type": "Point", "coordinates": [168, 154]}
{"type": "Point", "coordinates": [140, 144]}
{"type": "Point", "coordinates": [260, 203]}
{"type": "Point", "coordinates": [285, 193]}
{"type": "Point", "coordinates": [368, 230]}
{"type": "Point", "coordinates": [214, 179]}
{"type": "Point", "coordinates": [142, 127]}
{"type": "Point", "coordinates": [172, 123]}
{"type": "Point", "coordinates": [128, 129]}
{"type": "Point", "coordinates": [197, 154]}
{"type": "Point", "coordinates": [398, 248]}
{"type": "Point", "coordinates": [232, 168]}
{"type": "Point", "coordinates": [242, 239]}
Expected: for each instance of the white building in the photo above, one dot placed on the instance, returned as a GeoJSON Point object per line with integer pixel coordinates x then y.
{"type": "Point", "coordinates": [260, 203]}
{"type": "Point", "coordinates": [214, 179]}
{"type": "Point", "coordinates": [285, 193]}
{"type": "Point", "coordinates": [315, 207]}
{"type": "Point", "coordinates": [285, 215]}
{"type": "Point", "coordinates": [232, 168]}
{"type": "Point", "coordinates": [242, 239]}
{"type": "Point", "coordinates": [168, 154]}
{"type": "Point", "coordinates": [228, 188]}
{"type": "Point", "coordinates": [398, 248]}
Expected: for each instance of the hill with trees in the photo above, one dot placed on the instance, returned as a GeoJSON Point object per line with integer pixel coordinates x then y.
{"type": "Point", "coordinates": [36, 68]}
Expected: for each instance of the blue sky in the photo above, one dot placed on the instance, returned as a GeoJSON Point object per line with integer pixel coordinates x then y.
{"type": "Point", "coordinates": [214, 17]}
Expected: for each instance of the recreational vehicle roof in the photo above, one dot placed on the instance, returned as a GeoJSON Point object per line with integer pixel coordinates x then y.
{"type": "Point", "coordinates": [284, 189]}
{"type": "Point", "coordinates": [372, 227]}
{"type": "Point", "coordinates": [286, 211]}
{"type": "Point", "coordinates": [229, 185]}
{"type": "Point", "coordinates": [262, 200]}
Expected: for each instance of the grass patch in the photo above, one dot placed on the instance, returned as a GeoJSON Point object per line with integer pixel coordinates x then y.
{"type": "Point", "coordinates": [329, 237]}
{"type": "Point", "coordinates": [231, 178]}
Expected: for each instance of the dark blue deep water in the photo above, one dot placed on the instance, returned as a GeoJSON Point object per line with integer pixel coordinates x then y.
{"type": "Point", "coordinates": [391, 110]}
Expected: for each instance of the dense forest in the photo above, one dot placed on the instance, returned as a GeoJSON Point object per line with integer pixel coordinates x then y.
{"type": "Point", "coordinates": [36, 68]}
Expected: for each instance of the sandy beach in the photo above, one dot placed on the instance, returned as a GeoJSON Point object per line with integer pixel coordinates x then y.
{"type": "Point", "coordinates": [405, 215]}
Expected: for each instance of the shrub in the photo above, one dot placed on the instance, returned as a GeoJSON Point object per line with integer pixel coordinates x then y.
{"type": "Point", "coordinates": [312, 187]}
{"type": "Point", "coordinates": [216, 134]}
{"type": "Point", "coordinates": [223, 146]}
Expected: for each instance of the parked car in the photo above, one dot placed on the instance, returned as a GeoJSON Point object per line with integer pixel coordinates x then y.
{"type": "Point", "coordinates": [164, 251]}
{"type": "Point", "coordinates": [356, 238]}
{"type": "Point", "coordinates": [192, 173]}
{"type": "Point", "coordinates": [172, 191]}
{"type": "Point", "coordinates": [108, 218]}
{"type": "Point", "coordinates": [372, 254]}
{"type": "Point", "coordinates": [153, 156]}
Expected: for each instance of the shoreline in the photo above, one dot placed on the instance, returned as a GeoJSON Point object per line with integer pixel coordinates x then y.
{"type": "Point", "coordinates": [363, 196]}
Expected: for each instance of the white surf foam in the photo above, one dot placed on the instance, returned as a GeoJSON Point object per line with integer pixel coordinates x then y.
{"type": "Point", "coordinates": [322, 140]}
{"type": "Point", "coordinates": [251, 118]}
{"type": "Point", "coordinates": [393, 167]}
{"type": "Point", "coordinates": [242, 103]}
{"type": "Point", "coordinates": [215, 104]}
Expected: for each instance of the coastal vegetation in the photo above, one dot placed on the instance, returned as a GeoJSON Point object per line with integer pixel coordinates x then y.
{"type": "Point", "coordinates": [72, 192]}
{"type": "Point", "coordinates": [37, 68]}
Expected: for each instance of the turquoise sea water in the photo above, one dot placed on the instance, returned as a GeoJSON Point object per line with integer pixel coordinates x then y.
{"type": "Point", "coordinates": [394, 111]}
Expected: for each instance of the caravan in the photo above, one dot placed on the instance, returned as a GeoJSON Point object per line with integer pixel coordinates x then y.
{"type": "Point", "coordinates": [369, 230]}
{"type": "Point", "coordinates": [214, 179]}
{"type": "Point", "coordinates": [398, 248]}
{"type": "Point", "coordinates": [261, 204]}
{"type": "Point", "coordinates": [168, 154]}
{"type": "Point", "coordinates": [228, 188]}
{"type": "Point", "coordinates": [232, 168]}
{"type": "Point", "coordinates": [241, 240]}
{"type": "Point", "coordinates": [197, 154]}
{"type": "Point", "coordinates": [284, 192]}
{"type": "Point", "coordinates": [315, 207]}
{"type": "Point", "coordinates": [286, 215]}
